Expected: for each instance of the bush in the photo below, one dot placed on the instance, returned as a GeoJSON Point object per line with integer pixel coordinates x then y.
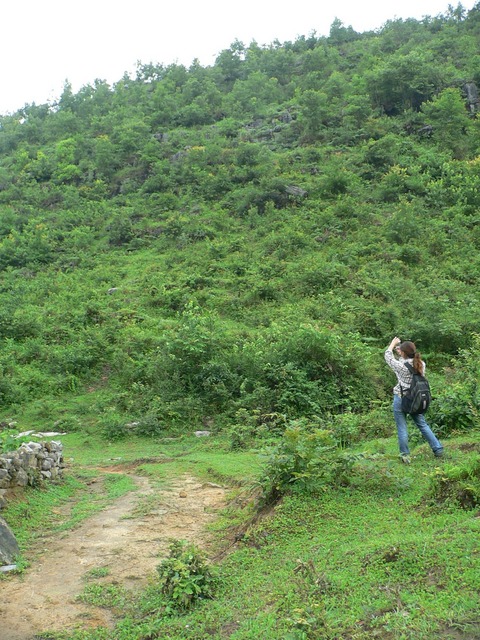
{"type": "Point", "coordinates": [113, 427]}
{"type": "Point", "coordinates": [302, 461]}
{"type": "Point", "coordinates": [251, 427]}
{"type": "Point", "coordinates": [457, 405]}
{"type": "Point", "coordinates": [454, 409]}
{"type": "Point", "coordinates": [350, 428]}
{"type": "Point", "coordinates": [186, 576]}
{"type": "Point", "coordinates": [346, 429]}
{"type": "Point", "coordinates": [308, 459]}
{"type": "Point", "coordinates": [150, 425]}
{"type": "Point", "coordinates": [457, 485]}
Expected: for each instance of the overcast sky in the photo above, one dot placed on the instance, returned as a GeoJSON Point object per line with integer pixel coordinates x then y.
{"type": "Point", "coordinates": [45, 42]}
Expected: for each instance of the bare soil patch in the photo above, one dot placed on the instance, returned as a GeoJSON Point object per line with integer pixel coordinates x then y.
{"type": "Point", "coordinates": [128, 539]}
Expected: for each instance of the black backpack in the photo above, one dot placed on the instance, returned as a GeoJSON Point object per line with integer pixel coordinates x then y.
{"type": "Point", "coordinates": [417, 399]}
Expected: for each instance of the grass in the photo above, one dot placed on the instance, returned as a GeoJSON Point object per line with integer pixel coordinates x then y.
{"type": "Point", "coordinates": [97, 572]}
{"type": "Point", "coordinates": [379, 558]}
{"type": "Point", "coordinates": [110, 596]}
{"type": "Point", "coordinates": [207, 458]}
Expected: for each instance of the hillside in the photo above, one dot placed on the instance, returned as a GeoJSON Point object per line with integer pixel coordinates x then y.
{"type": "Point", "coordinates": [200, 269]}
{"type": "Point", "coordinates": [193, 243]}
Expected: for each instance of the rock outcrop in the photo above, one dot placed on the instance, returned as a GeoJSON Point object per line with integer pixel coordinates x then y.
{"type": "Point", "coordinates": [8, 544]}
{"type": "Point", "coordinates": [30, 464]}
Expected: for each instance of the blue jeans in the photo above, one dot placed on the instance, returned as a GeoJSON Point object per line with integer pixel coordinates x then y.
{"type": "Point", "coordinates": [401, 422]}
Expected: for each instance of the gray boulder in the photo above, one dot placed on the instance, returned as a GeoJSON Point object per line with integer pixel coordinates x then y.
{"type": "Point", "coordinates": [471, 91]}
{"type": "Point", "coordinates": [8, 545]}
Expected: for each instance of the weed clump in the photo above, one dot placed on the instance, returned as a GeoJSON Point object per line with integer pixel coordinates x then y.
{"type": "Point", "coordinates": [306, 461]}
{"type": "Point", "coordinates": [457, 485]}
{"type": "Point", "coordinates": [186, 576]}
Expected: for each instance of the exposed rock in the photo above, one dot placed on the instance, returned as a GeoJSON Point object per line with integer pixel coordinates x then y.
{"type": "Point", "coordinates": [426, 131]}
{"type": "Point", "coordinates": [179, 155]}
{"type": "Point", "coordinates": [8, 544]}
{"type": "Point", "coordinates": [292, 190]}
{"type": "Point", "coordinates": [255, 124]}
{"type": "Point", "coordinates": [471, 90]}
{"type": "Point", "coordinates": [286, 117]}
{"type": "Point", "coordinates": [21, 478]}
{"type": "Point", "coordinates": [40, 434]}
{"type": "Point", "coordinates": [5, 424]}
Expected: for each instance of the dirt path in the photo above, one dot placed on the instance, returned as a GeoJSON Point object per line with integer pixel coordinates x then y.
{"type": "Point", "coordinates": [128, 539]}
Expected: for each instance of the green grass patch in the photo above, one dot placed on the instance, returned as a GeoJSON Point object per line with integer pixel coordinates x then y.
{"type": "Point", "coordinates": [207, 458]}
{"type": "Point", "coordinates": [111, 596]}
{"type": "Point", "coordinates": [86, 450]}
{"type": "Point", "coordinates": [230, 468]}
{"type": "Point", "coordinates": [27, 516]}
{"type": "Point", "coordinates": [96, 573]}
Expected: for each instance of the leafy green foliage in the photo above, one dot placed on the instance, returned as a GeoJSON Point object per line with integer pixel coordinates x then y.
{"type": "Point", "coordinates": [249, 428]}
{"type": "Point", "coordinates": [247, 236]}
{"type": "Point", "coordinates": [305, 460]}
{"type": "Point", "coordinates": [457, 485]}
{"type": "Point", "coordinates": [457, 403]}
{"type": "Point", "coordinates": [10, 440]}
{"type": "Point", "coordinates": [186, 576]}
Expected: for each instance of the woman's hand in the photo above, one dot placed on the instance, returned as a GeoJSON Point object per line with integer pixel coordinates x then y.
{"type": "Point", "coordinates": [394, 343]}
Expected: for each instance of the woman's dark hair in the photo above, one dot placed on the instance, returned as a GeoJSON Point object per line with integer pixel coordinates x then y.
{"type": "Point", "coordinates": [410, 350]}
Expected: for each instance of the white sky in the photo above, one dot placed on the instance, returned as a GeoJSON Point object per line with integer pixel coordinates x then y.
{"type": "Point", "coordinates": [45, 42]}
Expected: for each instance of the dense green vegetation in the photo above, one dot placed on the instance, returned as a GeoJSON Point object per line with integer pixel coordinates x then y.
{"type": "Point", "coordinates": [231, 248]}
{"type": "Point", "coordinates": [245, 236]}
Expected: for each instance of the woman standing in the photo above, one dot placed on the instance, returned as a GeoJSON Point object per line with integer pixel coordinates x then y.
{"type": "Point", "coordinates": [407, 353]}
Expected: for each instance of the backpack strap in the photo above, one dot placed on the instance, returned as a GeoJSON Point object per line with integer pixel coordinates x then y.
{"type": "Point", "coordinates": [412, 371]}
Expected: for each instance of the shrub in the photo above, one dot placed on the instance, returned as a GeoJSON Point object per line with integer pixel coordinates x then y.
{"type": "Point", "coordinates": [9, 440]}
{"type": "Point", "coordinates": [114, 427]}
{"type": "Point", "coordinates": [301, 461]}
{"type": "Point", "coordinates": [457, 485]}
{"type": "Point", "coordinates": [308, 459]}
{"type": "Point", "coordinates": [349, 428]}
{"type": "Point", "coordinates": [249, 427]}
{"type": "Point", "coordinates": [150, 425]}
{"type": "Point", "coordinates": [69, 424]}
{"type": "Point", "coordinates": [242, 433]}
{"type": "Point", "coordinates": [186, 576]}
{"type": "Point", "coordinates": [457, 405]}
{"type": "Point", "coordinates": [346, 429]}
{"type": "Point", "coordinates": [454, 409]}
{"type": "Point", "coordinates": [333, 370]}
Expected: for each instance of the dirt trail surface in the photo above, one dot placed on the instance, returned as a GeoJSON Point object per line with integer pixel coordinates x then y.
{"type": "Point", "coordinates": [128, 539]}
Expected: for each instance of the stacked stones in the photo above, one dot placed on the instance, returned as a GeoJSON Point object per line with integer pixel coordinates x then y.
{"type": "Point", "coordinates": [29, 464]}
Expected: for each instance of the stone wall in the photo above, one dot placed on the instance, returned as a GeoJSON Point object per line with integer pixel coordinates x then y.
{"type": "Point", "coordinates": [30, 464]}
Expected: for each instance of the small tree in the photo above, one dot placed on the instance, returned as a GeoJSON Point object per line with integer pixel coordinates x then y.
{"type": "Point", "coordinates": [448, 116]}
